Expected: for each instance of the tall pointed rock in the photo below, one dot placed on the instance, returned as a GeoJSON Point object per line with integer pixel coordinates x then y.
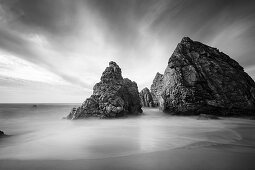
{"type": "Point", "coordinates": [112, 97]}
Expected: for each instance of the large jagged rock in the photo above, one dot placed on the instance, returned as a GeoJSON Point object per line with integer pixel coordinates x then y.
{"type": "Point", "coordinates": [201, 79]}
{"type": "Point", "coordinates": [112, 97]}
{"type": "Point", "coordinates": [156, 89]}
{"type": "Point", "coordinates": [146, 98]}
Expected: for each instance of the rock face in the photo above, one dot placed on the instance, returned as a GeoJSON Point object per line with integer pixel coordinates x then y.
{"type": "Point", "coordinates": [146, 98]}
{"type": "Point", "coordinates": [112, 97]}
{"type": "Point", "coordinates": [201, 79]}
{"type": "Point", "coordinates": [156, 89]}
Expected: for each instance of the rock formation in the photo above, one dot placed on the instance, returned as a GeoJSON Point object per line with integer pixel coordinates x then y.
{"type": "Point", "coordinates": [146, 98]}
{"type": "Point", "coordinates": [201, 79]}
{"type": "Point", "coordinates": [156, 89]}
{"type": "Point", "coordinates": [112, 97]}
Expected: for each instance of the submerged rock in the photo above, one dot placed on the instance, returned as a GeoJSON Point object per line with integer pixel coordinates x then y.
{"type": "Point", "coordinates": [112, 97]}
{"type": "Point", "coordinates": [156, 89]}
{"type": "Point", "coordinates": [201, 79]}
{"type": "Point", "coordinates": [146, 98]}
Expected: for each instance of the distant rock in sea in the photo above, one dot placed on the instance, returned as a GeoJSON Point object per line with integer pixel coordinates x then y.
{"type": "Point", "coordinates": [112, 97]}
{"type": "Point", "coordinates": [146, 98]}
{"type": "Point", "coordinates": [201, 79]}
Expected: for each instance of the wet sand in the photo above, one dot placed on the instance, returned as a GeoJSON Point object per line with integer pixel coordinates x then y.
{"type": "Point", "coordinates": [199, 158]}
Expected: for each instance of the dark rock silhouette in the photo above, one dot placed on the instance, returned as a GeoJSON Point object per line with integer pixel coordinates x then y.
{"type": "Point", "coordinates": [201, 79]}
{"type": "Point", "coordinates": [112, 97]}
{"type": "Point", "coordinates": [146, 98]}
{"type": "Point", "coordinates": [2, 134]}
{"type": "Point", "coordinates": [156, 89]}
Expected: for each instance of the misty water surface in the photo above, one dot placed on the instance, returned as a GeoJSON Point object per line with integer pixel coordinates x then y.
{"type": "Point", "coordinates": [41, 133]}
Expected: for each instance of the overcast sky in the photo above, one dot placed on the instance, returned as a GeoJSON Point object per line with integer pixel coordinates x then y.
{"type": "Point", "coordinates": [56, 50]}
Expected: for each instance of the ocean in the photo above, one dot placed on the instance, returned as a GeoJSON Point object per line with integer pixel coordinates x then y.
{"type": "Point", "coordinates": [41, 133]}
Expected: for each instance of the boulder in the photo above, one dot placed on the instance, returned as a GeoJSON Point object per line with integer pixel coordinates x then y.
{"type": "Point", "coordinates": [113, 96]}
{"type": "Point", "coordinates": [156, 89]}
{"type": "Point", "coordinates": [201, 79]}
{"type": "Point", "coordinates": [146, 98]}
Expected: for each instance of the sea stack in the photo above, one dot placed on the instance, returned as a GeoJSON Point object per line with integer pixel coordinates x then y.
{"type": "Point", "coordinates": [146, 98]}
{"type": "Point", "coordinates": [201, 79]}
{"type": "Point", "coordinates": [113, 96]}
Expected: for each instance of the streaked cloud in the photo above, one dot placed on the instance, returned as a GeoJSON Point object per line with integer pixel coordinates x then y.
{"type": "Point", "coordinates": [15, 67]}
{"type": "Point", "coordinates": [71, 42]}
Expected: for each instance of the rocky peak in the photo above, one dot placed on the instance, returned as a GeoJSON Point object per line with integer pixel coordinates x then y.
{"type": "Point", "coordinates": [189, 51]}
{"type": "Point", "coordinates": [112, 73]}
{"type": "Point", "coordinates": [186, 40]}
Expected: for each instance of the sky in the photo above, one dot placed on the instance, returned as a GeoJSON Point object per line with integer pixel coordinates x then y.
{"type": "Point", "coordinates": [54, 51]}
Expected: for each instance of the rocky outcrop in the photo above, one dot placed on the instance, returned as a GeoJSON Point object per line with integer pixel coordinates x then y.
{"type": "Point", "coordinates": [112, 97]}
{"type": "Point", "coordinates": [156, 89]}
{"type": "Point", "coordinates": [201, 79]}
{"type": "Point", "coordinates": [146, 98]}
